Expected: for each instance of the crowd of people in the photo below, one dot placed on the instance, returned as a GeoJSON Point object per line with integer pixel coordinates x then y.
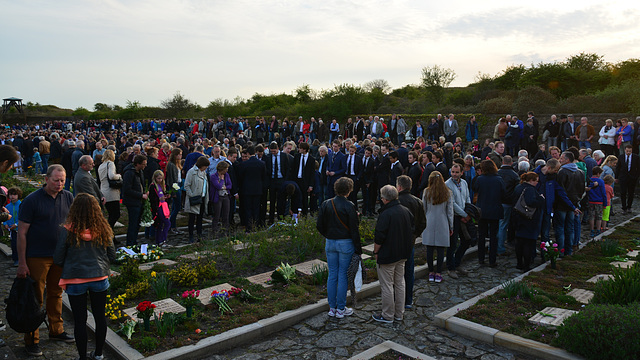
{"type": "Point", "coordinates": [420, 182]}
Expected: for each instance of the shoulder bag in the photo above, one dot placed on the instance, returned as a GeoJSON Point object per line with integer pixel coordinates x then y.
{"type": "Point", "coordinates": [523, 209]}
{"type": "Point", "coordinates": [114, 184]}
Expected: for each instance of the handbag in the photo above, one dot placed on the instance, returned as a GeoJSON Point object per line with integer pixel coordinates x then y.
{"type": "Point", "coordinates": [523, 209]}
{"type": "Point", "coordinates": [114, 184]}
{"type": "Point", "coordinates": [195, 200]}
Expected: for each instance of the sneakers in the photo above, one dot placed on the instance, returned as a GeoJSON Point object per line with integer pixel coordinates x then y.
{"type": "Point", "coordinates": [344, 312]}
{"type": "Point", "coordinates": [432, 277]}
{"type": "Point", "coordinates": [332, 312]}
{"type": "Point", "coordinates": [380, 318]}
{"type": "Point", "coordinates": [438, 278]}
{"type": "Point", "coordinates": [33, 350]}
{"type": "Point", "coordinates": [93, 356]}
{"type": "Point", "coordinates": [452, 274]}
{"type": "Point", "coordinates": [62, 337]}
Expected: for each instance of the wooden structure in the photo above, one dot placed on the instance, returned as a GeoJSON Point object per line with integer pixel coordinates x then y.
{"type": "Point", "coordinates": [12, 101]}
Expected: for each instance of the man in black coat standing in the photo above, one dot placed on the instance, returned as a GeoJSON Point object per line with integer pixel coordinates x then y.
{"type": "Point", "coordinates": [627, 173]}
{"type": "Point", "coordinates": [367, 183]}
{"type": "Point", "coordinates": [396, 167]}
{"type": "Point", "coordinates": [354, 171]}
{"type": "Point", "coordinates": [358, 128]}
{"type": "Point", "coordinates": [510, 179]}
{"type": "Point", "coordinates": [252, 178]}
{"type": "Point", "coordinates": [414, 172]}
{"type": "Point", "coordinates": [428, 168]}
{"type": "Point", "coordinates": [303, 173]}
{"type": "Point", "coordinates": [278, 164]}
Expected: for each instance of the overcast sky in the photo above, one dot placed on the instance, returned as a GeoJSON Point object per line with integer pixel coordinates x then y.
{"type": "Point", "coordinates": [77, 53]}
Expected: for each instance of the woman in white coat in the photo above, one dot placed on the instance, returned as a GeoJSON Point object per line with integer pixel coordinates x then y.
{"type": "Point", "coordinates": [607, 138]}
{"type": "Point", "coordinates": [106, 172]}
{"type": "Point", "coordinates": [196, 186]}
{"type": "Point", "coordinates": [438, 206]}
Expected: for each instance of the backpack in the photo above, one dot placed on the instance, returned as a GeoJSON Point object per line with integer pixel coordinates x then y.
{"type": "Point", "coordinates": [24, 313]}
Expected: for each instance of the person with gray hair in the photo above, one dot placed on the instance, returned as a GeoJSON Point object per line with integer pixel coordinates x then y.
{"type": "Point", "coordinates": [523, 167]}
{"type": "Point", "coordinates": [393, 243]}
{"type": "Point", "coordinates": [75, 157]}
{"type": "Point", "coordinates": [83, 182]}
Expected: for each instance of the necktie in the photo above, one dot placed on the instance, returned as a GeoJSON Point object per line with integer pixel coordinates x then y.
{"type": "Point", "coordinates": [349, 165]}
{"type": "Point", "coordinates": [301, 166]}
{"type": "Point", "coordinates": [275, 166]}
{"type": "Point", "coordinates": [629, 163]}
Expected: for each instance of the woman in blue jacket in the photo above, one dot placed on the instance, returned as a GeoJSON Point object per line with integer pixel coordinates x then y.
{"type": "Point", "coordinates": [490, 189]}
{"type": "Point", "coordinates": [527, 230]}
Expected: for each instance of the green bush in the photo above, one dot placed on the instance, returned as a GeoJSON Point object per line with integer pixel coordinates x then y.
{"type": "Point", "coordinates": [518, 288]}
{"type": "Point", "coordinates": [497, 105]}
{"type": "Point", "coordinates": [603, 332]}
{"type": "Point", "coordinates": [610, 247]}
{"type": "Point", "coordinates": [622, 289]}
{"type": "Point", "coordinates": [184, 275]}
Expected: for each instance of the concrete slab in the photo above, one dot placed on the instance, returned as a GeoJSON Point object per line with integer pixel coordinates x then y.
{"type": "Point", "coordinates": [633, 253]}
{"type": "Point", "coordinates": [603, 277]}
{"type": "Point", "coordinates": [531, 347]}
{"type": "Point", "coordinates": [205, 294]}
{"type": "Point", "coordinates": [368, 248]}
{"type": "Point", "coordinates": [386, 346]}
{"type": "Point", "coordinates": [556, 318]}
{"type": "Point", "coordinates": [306, 267]}
{"type": "Point", "coordinates": [6, 250]}
{"type": "Point", "coordinates": [165, 305]}
{"type": "Point", "coordinates": [583, 296]}
{"type": "Point", "coordinates": [470, 329]}
{"type": "Point", "coordinates": [150, 265]}
{"type": "Point", "coordinates": [261, 279]}
{"type": "Point", "coordinates": [623, 264]}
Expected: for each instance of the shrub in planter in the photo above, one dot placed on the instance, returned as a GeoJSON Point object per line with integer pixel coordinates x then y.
{"type": "Point", "coordinates": [603, 332]}
{"type": "Point", "coordinates": [623, 288]}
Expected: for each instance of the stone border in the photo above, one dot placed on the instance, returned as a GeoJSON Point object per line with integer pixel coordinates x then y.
{"type": "Point", "coordinates": [469, 329]}
{"type": "Point", "coordinates": [390, 345]}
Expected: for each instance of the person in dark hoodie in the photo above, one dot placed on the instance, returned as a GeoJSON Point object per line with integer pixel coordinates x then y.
{"type": "Point", "coordinates": [133, 194]}
{"type": "Point", "coordinates": [572, 180]}
{"type": "Point", "coordinates": [528, 230]}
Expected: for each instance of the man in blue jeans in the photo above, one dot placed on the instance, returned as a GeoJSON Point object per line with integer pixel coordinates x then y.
{"type": "Point", "coordinates": [510, 179]}
{"type": "Point", "coordinates": [133, 195]}
{"type": "Point", "coordinates": [573, 181]}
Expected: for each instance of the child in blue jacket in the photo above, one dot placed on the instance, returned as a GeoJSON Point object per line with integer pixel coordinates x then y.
{"type": "Point", "coordinates": [13, 207]}
{"type": "Point", "coordinates": [597, 200]}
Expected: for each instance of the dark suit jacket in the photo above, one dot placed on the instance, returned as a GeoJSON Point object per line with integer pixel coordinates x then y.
{"type": "Point", "coordinates": [396, 171]}
{"type": "Point", "coordinates": [252, 176]}
{"type": "Point", "coordinates": [308, 171]}
{"type": "Point", "coordinates": [403, 156]}
{"type": "Point", "coordinates": [622, 170]}
{"type": "Point", "coordinates": [367, 171]}
{"type": "Point", "coordinates": [337, 164]}
{"type": "Point", "coordinates": [284, 162]}
{"type": "Point", "coordinates": [323, 169]}
{"type": "Point", "coordinates": [442, 168]}
{"type": "Point", "coordinates": [359, 129]}
{"type": "Point", "coordinates": [415, 171]}
{"type": "Point", "coordinates": [383, 170]}
{"type": "Point", "coordinates": [357, 166]}
{"type": "Point", "coordinates": [428, 169]}
{"type": "Point", "coordinates": [83, 182]}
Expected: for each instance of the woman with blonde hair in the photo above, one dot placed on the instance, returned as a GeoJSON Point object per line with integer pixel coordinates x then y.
{"type": "Point", "coordinates": [438, 207]}
{"type": "Point", "coordinates": [159, 207]}
{"type": "Point", "coordinates": [173, 180]}
{"type": "Point", "coordinates": [608, 166]}
{"type": "Point", "coordinates": [85, 251]}
{"type": "Point", "coordinates": [106, 172]}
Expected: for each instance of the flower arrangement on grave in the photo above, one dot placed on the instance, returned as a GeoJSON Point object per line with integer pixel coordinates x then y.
{"type": "Point", "coordinates": [112, 308]}
{"type": "Point", "coordinates": [284, 273]}
{"type": "Point", "coordinates": [243, 294]}
{"type": "Point", "coordinates": [220, 298]}
{"type": "Point", "coordinates": [550, 251]}
{"type": "Point", "coordinates": [153, 253]}
{"type": "Point", "coordinates": [190, 297]}
{"type": "Point", "coordinates": [145, 311]}
{"type": "Point", "coordinates": [146, 219]}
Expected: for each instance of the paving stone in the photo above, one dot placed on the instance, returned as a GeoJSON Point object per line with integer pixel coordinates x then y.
{"type": "Point", "coordinates": [261, 279]}
{"type": "Point", "coordinates": [307, 266]}
{"type": "Point", "coordinates": [341, 352]}
{"type": "Point", "coordinates": [552, 321]}
{"type": "Point", "coordinates": [583, 296]}
{"type": "Point", "coordinates": [603, 277]}
{"type": "Point", "coordinates": [205, 294]}
{"type": "Point", "coordinates": [473, 353]}
{"type": "Point", "coordinates": [623, 264]}
{"type": "Point", "coordinates": [151, 264]}
{"type": "Point", "coordinates": [335, 339]}
{"type": "Point", "coordinates": [305, 331]}
{"type": "Point", "coordinates": [317, 321]}
{"type": "Point", "coordinates": [370, 340]}
{"type": "Point", "coordinates": [324, 355]}
{"type": "Point", "coordinates": [448, 351]}
{"type": "Point", "coordinates": [165, 305]}
{"type": "Point", "coordinates": [264, 345]}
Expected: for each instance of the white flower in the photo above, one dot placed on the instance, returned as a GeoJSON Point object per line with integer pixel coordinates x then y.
{"type": "Point", "coordinates": [176, 186]}
{"type": "Point", "coordinates": [144, 257]}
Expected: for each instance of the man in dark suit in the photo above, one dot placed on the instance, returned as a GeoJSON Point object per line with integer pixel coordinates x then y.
{"type": "Point", "coordinates": [396, 167]}
{"type": "Point", "coordinates": [627, 174]}
{"type": "Point", "coordinates": [438, 159]}
{"type": "Point", "coordinates": [367, 183]}
{"type": "Point", "coordinates": [354, 172]}
{"type": "Point", "coordinates": [336, 167]}
{"type": "Point", "coordinates": [290, 191]}
{"type": "Point", "coordinates": [403, 156]}
{"type": "Point", "coordinates": [383, 167]}
{"type": "Point", "coordinates": [278, 165]}
{"type": "Point", "coordinates": [323, 161]}
{"type": "Point", "coordinates": [303, 173]}
{"type": "Point", "coordinates": [359, 128]}
{"type": "Point", "coordinates": [414, 172]}
{"type": "Point", "coordinates": [428, 167]}
{"type": "Point", "coordinates": [252, 178]}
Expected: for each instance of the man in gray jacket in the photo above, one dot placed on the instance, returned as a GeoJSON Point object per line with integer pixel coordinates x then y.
{"type": "Point", "coordinates": [83, 182]}
{"type": "Point", "coordinates": [450, 129]}
{"type": "Point", "coordinates": [460, 195]}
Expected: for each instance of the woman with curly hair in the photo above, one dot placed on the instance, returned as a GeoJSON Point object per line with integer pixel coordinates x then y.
{"type": "Point", "coordinates": [85, 251]}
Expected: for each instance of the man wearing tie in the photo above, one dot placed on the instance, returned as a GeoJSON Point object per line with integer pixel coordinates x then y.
{"type": "Point", "coordinates": [303, 172]}
{"type": "Point", "coordinates": [627, 173]}
{"type": "Point", "coordinates": [252, 179]}
{"type": "Point", "coordinates": [278, 165]}
{"type": "Point", "coordinates": [323, 162]}
{"type": "Point", "coordinates": [358, 128]}
{"type": "Point", "coordinates": [354, 172]}
{"type": "Point", "coordinates": [366, 182]}
{"type": "Point", "coordinates": [396, 167]}
{"type": "Point", "coordinates": [336, 168]}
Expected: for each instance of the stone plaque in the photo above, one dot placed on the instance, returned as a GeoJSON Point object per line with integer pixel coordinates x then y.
{"type": "Point", "coordinates": [149, 265]}
{"type": "Point", "coordinates": [365, 257]}
{"type": "Point", "coordinates": [623, 264]}
{"type": "Point", "coordinates": [243, 246]}
{"type": "Point", "coordinates": [261, 279]}
{"type": "Point", "coordinates": [603, 277]}
{"type": "Point", "coordinates": [368, 248]}
{"type": "Point", "coordinates": [194, 256]}
{"type": "Point", "coordinates": [556, 317]}
{"type": "Point", "coordinates": [205, 294]}
{"type": "Point", "coordinates": [162, 306]}
{"type": "Point", "coordinates": [633, 253]}
{"type": "Point", "coordinates": [306, 267]}
{"type": "Point", "coordinates": [583, 296]}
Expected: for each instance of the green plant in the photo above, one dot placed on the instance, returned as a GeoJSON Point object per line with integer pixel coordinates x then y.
{"type": "Point", "coordinates": [205, 267]}
{"type": "Point", "coordinates": [518, 288]}
{"type": "Point", "coordinates": [166, 323]}
{"type": "Point", "coordinates": [148, 343]}
{"type": "Point", "coordinates": [622, 289]}
{"type": "Point", "coordinates": [137, 290]}
{"type": "Point", "coordinates": [127, 328]}
{"type": "Point", "coordinates": [610, 247]}
{"type": "Point", "coordinates": [319, 274]}
{"type": "Point", "coordinates": [185, 275]}
{"type": "Point", "coordinates": [603, 332]}
{"type": "Point", "coordinates": [161, 285]}
{"type": "Point", "coordinates": [284, 273]}
{"type": "Point", "coordinates": [129, 274]}
{"type": "Point", "coordinates": [369, 263]}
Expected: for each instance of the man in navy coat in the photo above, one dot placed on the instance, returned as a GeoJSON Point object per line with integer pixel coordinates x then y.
{"type": "Point", "coordinates": [252, 178]}
{"type": "Point", "coordinates": [278, 164]}
{"type": "Point", "coordinates": [336, 167]}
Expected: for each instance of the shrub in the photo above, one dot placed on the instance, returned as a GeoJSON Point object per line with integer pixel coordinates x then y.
{"type": "Point", "coordinates": [610, 247]}
{"type": "Point", "coordinates": [603, 332]}
{"type": "Point", "coordinates": [137, 289]}
{"type": "Point", "coordinates": [622, 289]}
{"type": "Point", "coordinates": [129, 274]}
{"type": "Point", "coordinates": [319, 274]}
{"type": "Point", "coordinates": [205, 267]}
{"type": "Point", "coordinates": [497, 105]}
{"type": "Point", "coordinates": [185, 275]}
{"type": "Point", "coordinates": [148, 343]}
{"type": "Point", "coordinates": [518, 288]}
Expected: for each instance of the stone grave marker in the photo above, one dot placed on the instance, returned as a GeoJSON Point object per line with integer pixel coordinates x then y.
{"type": "Point", "coordinates": [243, 246]}
{"type": "Point", "coordinates": [556, 317]}
{"type": "Point", "coordinates": [194, 256]}
{"type": "Point", "coordinates": [365, 257]}
{"type": "Point", "coordinates": [149, 265]}
{"type": "Point", "coordinates": [603, 277]}
{"type": "Point", "coordinates": [307, 266]}
{"type": "Point", "coordinates": [261, 279]}
{"type": "Point", "coordinates": [162, 306]}
{"type": "Point", "coordinates": [114, 273]}
{"type": "Point", "coordinates": [205, 294]}
{"type": "Point", "coordinates": [633, 253]}
{"type": "Point", "coordinates": [623, 264]}
{"type": "Point", "coordinates": [368, 248]}
{"type": "Point", "coordinates": [583, 296]}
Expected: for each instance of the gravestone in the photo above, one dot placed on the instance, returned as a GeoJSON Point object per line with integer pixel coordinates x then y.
{"type": "Point", "coordinates": [583, 296]}
{"type": "Point", "coordinates": [261, 279]}
{"type": "Point", "coordinates": [162, 306]}
{"type": "Point", "coordinates": [113, 273]}
{"type": "Point", "coordinates": [205, 294]}
{"type": "Point", "coordinates": [633, 253]}
{"type": "Point", "coordinates": [368, 248]}
{"type": "Point", "coordinates": [603, 277]}
{"type": "Point", "coordinates": [365, 257]}
{"type": "Point", "coordinates": [307, 266]}
{"type": "Point", "coordinates": [243, 246]}
{"type": "Point", "coordinates": [623, 264]}
{"type": "Point", "coordinates": [556, 319]}
{"type": "Point", "coordinates": [195, 255]}
{"type": "Point", "coordinates": [149, 265]}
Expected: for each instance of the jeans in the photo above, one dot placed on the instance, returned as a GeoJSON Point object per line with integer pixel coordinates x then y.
{"type": "Point", "coordinates": [220, 212]}
{"type": "Point", "coordinates": [45, 162]}
{"type": "Point", "coordinates": [339, 252]}
{"type": "Point", "coordinates": [409, 276]}
{"type": "Point", "coordinates": [134, 224]}
{"type": "Point", "coordinates": [175, 207]}
{"type": "Point", "coordinates": [453, 244]}
{"type": "Point", "coordinates": [563, 222]}
{"type": "Point", "coordinates": [585, 145]}
{"type": "Point", "coordinates": [503, 227]}
{"type": "Point", "coordinates": [67, 183]}
{"type": "Point", "coordinates": [577, 229]}
{"type": "Point", "coordinates": [488, 227]}
{"type": "Point", "coordinates": [93, 286]}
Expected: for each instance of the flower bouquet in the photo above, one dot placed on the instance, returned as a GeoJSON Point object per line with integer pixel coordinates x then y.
{"type": "Point", "coordinates": [153, 253]}
{"type": "Point", "coordinates": [284, 273]}
{"type": "Point", "coordinates": [190, 298]}
{"type": "Point", "coordinates": [243, 294]}
{"type": "Point", "coordinates": [550, 251]}
{"type": "Point", "coordinates": [146, 219]}
{"type": "Point", "coordinates": [145, 311]}
{"type": "Point", "coordinates": [220, 298]}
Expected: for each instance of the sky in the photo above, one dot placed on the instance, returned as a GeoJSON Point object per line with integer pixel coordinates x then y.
{"type": "Point", "coordinates": [73, 53]}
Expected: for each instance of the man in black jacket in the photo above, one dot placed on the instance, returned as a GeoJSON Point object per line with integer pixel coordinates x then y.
{"type": "Point", "coordinates": [396, 167]}
{"type": "Point", "coordinates": [428, 167]}
{"type": "Point", "coordinates": [403, 184]}
{"type": "Point", "coordinates": [415, 172]}
{"type": "Point", "coordinates": [278, 165]}
{"type": "Point", "coordinates": [367, 183]}
{"type": "Point", "coordinates": [510, 179]}
{"type": "Point", "coordinates": [573, 181]}
{"type": "Point", "coordinates": [354, 172]}
{"type": "Point", "coordinates": [303, 173]}
{"type": "Point", "coordinates": [627, 173]}
{"type": "Point", "coordinates": [252, 177]}
{"type": "Point", "coordinates": [133, 194]}
{"type": "Point", "coordinates": [394, 240]}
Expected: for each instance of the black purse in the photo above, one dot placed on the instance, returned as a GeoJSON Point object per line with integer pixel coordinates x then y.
{"type": "Point", "coordinates": [195, 200]}
{"type": "Point", "coordinates": [523, 209]}
{"type": "Point", "coordinates": [114, 184]}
